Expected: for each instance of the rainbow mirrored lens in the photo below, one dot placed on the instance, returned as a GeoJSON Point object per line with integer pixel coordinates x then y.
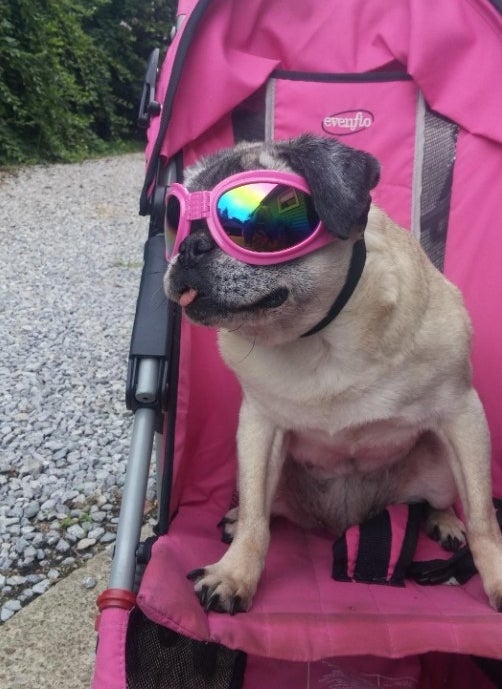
{"type": "Point", "coordinates": [264, 216]}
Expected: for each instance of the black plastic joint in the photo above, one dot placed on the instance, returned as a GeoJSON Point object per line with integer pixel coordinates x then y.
{"type": "Point", "coordinates": [155, 400]}
{"type": "Point", "coordinates": [149, 340]}
{"type": "Point", "coordinates": [144, 550]}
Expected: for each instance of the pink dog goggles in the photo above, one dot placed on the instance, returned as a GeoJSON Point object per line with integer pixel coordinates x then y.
{"type": "Point", "coordinates": [258, 217]}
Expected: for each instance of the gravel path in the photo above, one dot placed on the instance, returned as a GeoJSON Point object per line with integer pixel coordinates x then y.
{"type": "Point", "coordinates": [70, 259]}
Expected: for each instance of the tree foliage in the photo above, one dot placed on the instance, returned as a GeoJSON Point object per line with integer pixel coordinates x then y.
{"type": "Point", "coordinates": [71, 73]}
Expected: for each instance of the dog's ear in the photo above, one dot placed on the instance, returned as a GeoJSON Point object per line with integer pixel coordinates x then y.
{"type": "Point", "coordinates": [340, 179]}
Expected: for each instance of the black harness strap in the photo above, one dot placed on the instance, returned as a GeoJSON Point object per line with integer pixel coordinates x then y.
{"type": "Point", "coordinates": [370, 553]}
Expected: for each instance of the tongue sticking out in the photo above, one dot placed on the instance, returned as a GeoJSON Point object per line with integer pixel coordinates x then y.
{"type": "Point", "coordinates": [187, 297]}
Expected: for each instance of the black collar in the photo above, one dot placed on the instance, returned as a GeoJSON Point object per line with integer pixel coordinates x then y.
{"type": "Point", "coordinates": [356, 267]}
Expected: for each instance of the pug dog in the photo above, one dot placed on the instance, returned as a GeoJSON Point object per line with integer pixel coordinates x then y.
{"type": "Point", "coordinates": [347, 410]}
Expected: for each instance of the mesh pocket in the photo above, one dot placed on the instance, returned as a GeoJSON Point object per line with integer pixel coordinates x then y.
{"type": "Point", "coordinates": [440, 141]}
{"type": "Point", "coordinates": [158, 658]}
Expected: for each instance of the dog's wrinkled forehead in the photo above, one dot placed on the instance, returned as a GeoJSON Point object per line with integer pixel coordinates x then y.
{"type": "Point", "coordinates": [340, 177]}
{"type": "Point", "coordinates": [211, 170]}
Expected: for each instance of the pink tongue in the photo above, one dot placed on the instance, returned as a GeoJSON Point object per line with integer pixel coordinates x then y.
{"type": "Point", "coordinates": [188, 297]}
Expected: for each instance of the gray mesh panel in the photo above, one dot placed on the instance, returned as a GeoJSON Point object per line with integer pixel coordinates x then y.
{"type": "Point", "coordinates": [440, 140]}
{"type": "Point", "coordinates": [158, 658]}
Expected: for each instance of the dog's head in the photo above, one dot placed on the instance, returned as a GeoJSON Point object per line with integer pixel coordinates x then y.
{"type": "Point", "coordinates": [279, 302]}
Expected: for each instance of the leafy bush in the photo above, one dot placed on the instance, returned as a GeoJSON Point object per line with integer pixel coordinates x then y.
{"type": "Point", "coordinates": [71, 73]}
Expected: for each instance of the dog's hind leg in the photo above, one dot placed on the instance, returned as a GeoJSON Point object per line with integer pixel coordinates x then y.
{"type": "Point", "coordinates": [444, 526]}
{"type": "Point", "coordinates": [228, 525]}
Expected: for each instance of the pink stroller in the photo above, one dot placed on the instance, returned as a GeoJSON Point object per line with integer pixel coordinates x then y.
{"type": "Point", "coordinates": [418, 85]}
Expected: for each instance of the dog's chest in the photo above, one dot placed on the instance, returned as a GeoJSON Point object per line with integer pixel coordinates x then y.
{"type": "Point", "coordinates": [338, 417]}
{"type": "Point", "coordinates": [360, 449]}
{"type": "Point", "coordinates": [299, 393]}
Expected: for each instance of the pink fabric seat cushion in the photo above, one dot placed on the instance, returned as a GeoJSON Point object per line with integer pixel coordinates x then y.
{"type": "Point", "coordinates": [300, 612]}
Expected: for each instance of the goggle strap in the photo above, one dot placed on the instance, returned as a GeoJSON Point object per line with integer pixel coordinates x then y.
{"type": "Point", "coordinates": [198, 205]}
{"type": "Point", "coordinates": [356, 267]}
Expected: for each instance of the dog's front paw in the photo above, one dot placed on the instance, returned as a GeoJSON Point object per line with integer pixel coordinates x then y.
{"type": "Point", "coordinates": [221, 590]}
{"type": "Point", "coordinates": [444, 526]}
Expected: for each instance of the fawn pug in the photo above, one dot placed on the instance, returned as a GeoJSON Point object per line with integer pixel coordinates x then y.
{"type": "Point", "coordinates": [352, 350]}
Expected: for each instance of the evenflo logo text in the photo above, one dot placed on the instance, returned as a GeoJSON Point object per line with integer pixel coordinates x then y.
{"type": "Point", "coordinates": [348, 122]}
